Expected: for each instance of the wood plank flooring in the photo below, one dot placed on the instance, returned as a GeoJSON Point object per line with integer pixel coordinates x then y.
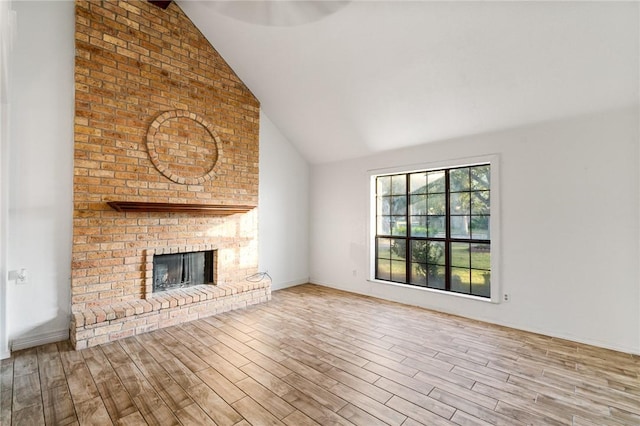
{"type": "Point", "coordinates": [319, 356]}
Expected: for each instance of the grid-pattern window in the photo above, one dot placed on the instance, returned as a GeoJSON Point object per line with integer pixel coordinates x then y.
{"type": "Point", "coordinates": [432, 229]}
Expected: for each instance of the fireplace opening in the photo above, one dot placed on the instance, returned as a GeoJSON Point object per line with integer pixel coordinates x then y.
{"type": "Point", "coordinates": [180, 270]}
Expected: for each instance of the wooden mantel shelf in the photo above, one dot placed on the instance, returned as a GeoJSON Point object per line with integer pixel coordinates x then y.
{"type": "Point", "coordinates": [209, 209]}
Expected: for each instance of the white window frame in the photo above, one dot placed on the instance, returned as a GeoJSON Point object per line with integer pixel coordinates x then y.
{"type": "Point", "coordinates": [494, 220]}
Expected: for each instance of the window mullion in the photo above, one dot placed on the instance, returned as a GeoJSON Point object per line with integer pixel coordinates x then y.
{"type": "Point", "coordinates": [408, 253]}
{"type": "Point", "coordinates": [447, 233]}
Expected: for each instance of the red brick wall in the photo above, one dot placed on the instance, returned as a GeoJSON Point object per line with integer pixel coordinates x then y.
{"type": "Point", "coordinates": [135, 61]}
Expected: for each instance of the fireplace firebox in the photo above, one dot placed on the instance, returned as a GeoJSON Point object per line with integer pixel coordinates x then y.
{"type": "Point", "coordinates": [180, 270]}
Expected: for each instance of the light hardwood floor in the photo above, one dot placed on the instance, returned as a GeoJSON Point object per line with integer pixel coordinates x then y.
{"type": "Point", "coordinates": [319, 356]}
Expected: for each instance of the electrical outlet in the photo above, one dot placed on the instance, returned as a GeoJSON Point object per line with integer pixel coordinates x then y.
{"type": "Point", "coordinates": [506, 297]}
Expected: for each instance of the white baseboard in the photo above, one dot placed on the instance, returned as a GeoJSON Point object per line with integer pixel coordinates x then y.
{"type": "Point", "coordinates": [343, 288]}
{"type": "Point", "coordinates": [40, 339]}
{"type": "Point", "coordinates": [5, 355]}
{"type": "Point", "coordinates": [280, 286]}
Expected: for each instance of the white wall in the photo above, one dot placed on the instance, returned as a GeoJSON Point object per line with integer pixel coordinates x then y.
{"type": "Point", "coordinates": [40, 156]}
{"type": "Point", "coordinates": [570, 228]}
{"type": "Point", "coordinates": [283, 240]}
{"type": "Point", "coordinates": [6, 38]}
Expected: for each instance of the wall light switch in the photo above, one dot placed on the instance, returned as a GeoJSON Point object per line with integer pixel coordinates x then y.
{"type": "Point", "coordinates": [19, 276]}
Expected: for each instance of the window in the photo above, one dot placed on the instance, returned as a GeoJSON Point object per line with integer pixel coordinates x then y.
{"type": "Point", "coordinates": [433, 229]}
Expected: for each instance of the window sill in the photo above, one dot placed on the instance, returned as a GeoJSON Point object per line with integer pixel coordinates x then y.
{"type": "Point", "coordinates": [434, 290]}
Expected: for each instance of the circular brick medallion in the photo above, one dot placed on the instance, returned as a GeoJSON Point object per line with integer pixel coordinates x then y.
{"type": "Point", "coordinates": [183, 146]}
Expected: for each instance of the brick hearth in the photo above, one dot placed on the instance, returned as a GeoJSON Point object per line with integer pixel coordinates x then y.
{"type": "Point", "coordinates": [103, 324]}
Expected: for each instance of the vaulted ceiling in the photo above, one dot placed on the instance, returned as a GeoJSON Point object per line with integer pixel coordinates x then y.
{"type": "Point", "coordinates": [347, 79]}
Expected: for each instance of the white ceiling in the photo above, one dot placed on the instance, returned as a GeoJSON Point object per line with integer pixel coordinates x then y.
{"type": "Point", "coordinates": [374, 76]}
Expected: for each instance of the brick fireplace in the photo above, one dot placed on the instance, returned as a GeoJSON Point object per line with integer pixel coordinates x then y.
{"type": "Point", "coordinates": [164, 124]}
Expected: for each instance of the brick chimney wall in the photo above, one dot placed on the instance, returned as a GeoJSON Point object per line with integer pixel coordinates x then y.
{"type": "Point", "coordinates": [134, 62]}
